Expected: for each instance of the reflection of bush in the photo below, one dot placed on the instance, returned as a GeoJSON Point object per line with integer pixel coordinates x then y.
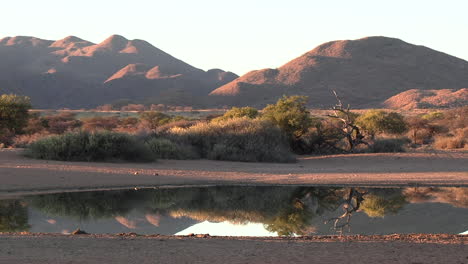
{"type": "Point", "coordinates": [217, 204]}
{"type": "Point", "coordinates": [290, 220]}
{"type": "Point", "coordinates": [379, 205]}
{"type": "Point", "coordinates": [13, 216]}
{"type": "Point", "coordinates": [285, 210]}
{"type": "Point", "coordinates": [455, 196]}
{"type": "Point", "coordinates": [85, 205]}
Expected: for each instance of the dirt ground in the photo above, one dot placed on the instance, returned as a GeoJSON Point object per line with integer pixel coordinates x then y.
{"type": "Point", "coordinates": [161, 249]}
{"type": "Point", "coordinates": [20, 175]}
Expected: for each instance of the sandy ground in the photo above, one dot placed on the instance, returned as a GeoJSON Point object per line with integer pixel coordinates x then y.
{"type": "Point", "coordinates": [22, 175]}
{"type": "Point", "coordinates": [132, 249]}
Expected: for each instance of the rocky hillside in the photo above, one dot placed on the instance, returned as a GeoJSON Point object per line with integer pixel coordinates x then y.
{"type": "Point", "coordinates": [364, 72]}
{"type": "Point", "coordinates": [73, 72]}
{"type": "Point", "coordinates": [414, 98]}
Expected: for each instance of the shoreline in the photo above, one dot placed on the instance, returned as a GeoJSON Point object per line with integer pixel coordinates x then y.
{"type": "Point", "coordinates": [23, 176]}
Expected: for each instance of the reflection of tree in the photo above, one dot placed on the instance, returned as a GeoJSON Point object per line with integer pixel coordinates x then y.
{"type": "Point", "coordinates": [291, 220]}
{"type": "Point", "coordinates": [378, 206]}
{"type": "Point", "coordinates": [294, 217]}
{"type": "Point", "coordinates": [373, 202]}
{"type": "Point", "coordinates": [285, 210]}
{"type": "Point", "coordinates": [216, 204]}
{"type": "Point", "coordinates": [85, 205]}
{"type": "Point", "coordinates": [13, 216]}
{"type": "Point", "coordinates": [350, 205]}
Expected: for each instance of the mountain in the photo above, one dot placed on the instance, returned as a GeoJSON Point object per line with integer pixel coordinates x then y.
{"type": "Point", "coordinates": [364, 73]}
{"type": "Point", "coordinates": [415, 98]}
{"type": "Point", "coordinates": [76, 73]}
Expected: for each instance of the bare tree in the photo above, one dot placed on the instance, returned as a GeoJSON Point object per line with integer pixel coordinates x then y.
{"type": "Point", "coordinates": [351, 204]}
{"type": "Point", "coordinates": [352, 132]}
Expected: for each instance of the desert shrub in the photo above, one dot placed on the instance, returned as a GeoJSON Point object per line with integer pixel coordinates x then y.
{"type": "Point", "coordinates": [61, 123]}
{"type": "Point", "coordinates": [100, 123]}
{"type": "Point", "coordinates": [13, 116]}
{"type": "Point", "coordinates": [85, 146]}
{"type": "Point", "coordinates": [180, 124]}
{"type": "Point", "coordinates": [455, 118]}
{"type": "Point", "coordinates": [128, 122]}
{"type": "Point", "coordinates": [163, 148]}
{"type": "Point", "coordinates": [239, 139]}
{"type": "Point", "coordinates": [34, 125]}
{"type": "Point", "coordinates": [154, 119]}
{"type": "Point", "coordinates": [23, 141]}
{"type": "Point", "coordinates": [433, 116]}
{"type": "Point", "coordinates": [129, 125]}
{"type": "Point", "coordinates": [325, 137]}
{"type": "Point", "coordinates": [454, 142]}
{"type": "Point", "coordinates": [236, 112]}
{"type": "Point", "coordinates": [133, 107]}
{"type": "Point", "coordinates": [389, 145]}
{"type": "Point", "coordinates": [290, 115]}
{"type": "Point", "coordinates": [378, 121]}
{"type": "Point", "coordinates": [14, 112]}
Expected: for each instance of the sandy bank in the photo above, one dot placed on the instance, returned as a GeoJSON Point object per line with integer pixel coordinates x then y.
{"type": "Point", "coordinates": [21, 174]}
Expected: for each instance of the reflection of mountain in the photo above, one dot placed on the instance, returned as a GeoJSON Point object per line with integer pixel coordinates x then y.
{"type": "Point", "coordinates": [282, 210]}
{"type": "Point", "coordinates": [167, 225]}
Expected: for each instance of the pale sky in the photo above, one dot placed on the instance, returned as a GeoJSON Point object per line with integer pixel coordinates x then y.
{"type": "Point", "coordinates": [227, 229]}
{"type": "Point", "coordinates": [241, 35]}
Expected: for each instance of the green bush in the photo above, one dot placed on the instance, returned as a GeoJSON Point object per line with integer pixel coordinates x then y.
{"type": "Point", "coordinates": [164, 148]}
{"type": "Point", "coordinates": [236, 112]}
{"type": "Point", "coordinates": [85, 146]}
{"type": "Point", "coordinates": [239, 139]}
{"type": "Point", "coordinates": [389, 145]}
{"type": "Point", "coordinates": [379, 121]}
{"type": "Point", "coordinates": [13, 116]}
{"type": "Point", "coordinates": [290, 115]}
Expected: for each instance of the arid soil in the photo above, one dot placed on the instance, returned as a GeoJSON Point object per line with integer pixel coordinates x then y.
{"type": "Point", "coordinates": [162, 249]}
{"type": "Point", "coordinates": [19, 174]}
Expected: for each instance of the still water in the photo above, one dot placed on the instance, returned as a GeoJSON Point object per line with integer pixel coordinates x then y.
{"type": "Point", "coordinates": [243, 211]}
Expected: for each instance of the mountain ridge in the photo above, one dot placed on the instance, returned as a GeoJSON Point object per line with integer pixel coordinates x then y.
{"type": "Point", "coordinates": [102, 71]}
{"type": "Point", "coordinates": [353, 68]}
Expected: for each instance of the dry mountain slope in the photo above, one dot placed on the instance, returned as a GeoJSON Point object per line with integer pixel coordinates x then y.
{"type": "Point", "coordinates": [73, 72]}
{"type": "Point", "coordinates": [365, 72]}
{"type": "Point", "coordinates": [414, 98]}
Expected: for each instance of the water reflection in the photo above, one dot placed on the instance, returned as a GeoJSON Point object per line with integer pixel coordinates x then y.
{"type": "Point", "coordinates": [285, 211]}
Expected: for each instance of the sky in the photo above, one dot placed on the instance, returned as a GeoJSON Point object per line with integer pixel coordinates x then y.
{"type": "Point", "coordinates": [241, 35]}
{"type": "Point", "coordinates": [227, 229]}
